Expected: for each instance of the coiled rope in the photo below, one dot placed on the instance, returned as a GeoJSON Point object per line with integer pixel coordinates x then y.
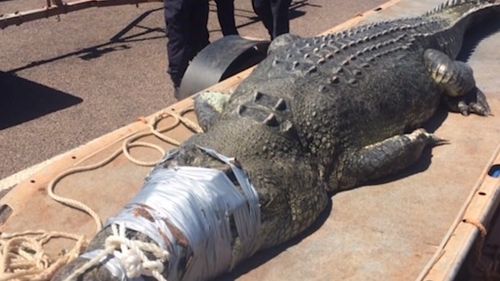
{"type": "Point", "coordinates": [22, 254]}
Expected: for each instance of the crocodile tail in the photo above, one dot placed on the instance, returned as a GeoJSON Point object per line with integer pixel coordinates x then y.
{"type": "Point", "coordinates": [462, 12]}
{"type": "Point", "coordinates": [460, 6]}
{"type": "Point", "coordinates": [458, 16]}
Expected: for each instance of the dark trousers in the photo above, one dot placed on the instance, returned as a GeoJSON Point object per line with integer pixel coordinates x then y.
{"type": "Point", "coordinates": [225, 14]}
{"type": "Point", "coordinates": [187, 34]}
{"type": "Point", "coordinates": [274, 15]}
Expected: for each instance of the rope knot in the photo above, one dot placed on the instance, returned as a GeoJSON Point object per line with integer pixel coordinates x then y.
{"type": "Point", "coordinates": [132, 254]}
{"type": "Point", "coordinates": [132, 263]}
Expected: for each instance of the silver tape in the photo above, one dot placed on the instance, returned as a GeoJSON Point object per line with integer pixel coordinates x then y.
{"type": "Point", "coordinates": [188, 211]}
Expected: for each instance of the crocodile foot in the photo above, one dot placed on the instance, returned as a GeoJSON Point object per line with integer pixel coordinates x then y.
{"type": "Point", "coordinates": [475, 102]}
{"type": "Point", "coordinates": [384, 158]}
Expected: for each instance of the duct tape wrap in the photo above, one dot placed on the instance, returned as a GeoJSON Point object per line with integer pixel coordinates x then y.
{"type": "Point", "coordinates": [195, 214]}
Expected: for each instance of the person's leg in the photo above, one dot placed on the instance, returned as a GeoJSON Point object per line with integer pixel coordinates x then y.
{"type": "Point", "coordinates": [176, 20]}
{"type": "Point", "coordinates": [281, 21]}
{"type": "Point", "coordinates": [225, 14]}
{"type": "Point", "coordinates": [263, 9]}
{"type": "Point", "coordinates": [198, 26]}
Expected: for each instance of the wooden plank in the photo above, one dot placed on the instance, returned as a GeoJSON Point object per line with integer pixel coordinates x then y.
{"type": "Point", "coordinates": [472, 222]}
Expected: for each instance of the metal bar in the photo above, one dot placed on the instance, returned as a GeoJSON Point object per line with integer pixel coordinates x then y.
{"type": "Point", "coordinates": [20, 17]}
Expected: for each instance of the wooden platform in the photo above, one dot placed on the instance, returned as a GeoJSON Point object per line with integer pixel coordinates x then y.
{"type": "Point", "coordinates": [388, 230]}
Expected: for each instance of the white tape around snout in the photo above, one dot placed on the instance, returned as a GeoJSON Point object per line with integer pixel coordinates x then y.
{"type": "Point", "coordinates": [188, 211]}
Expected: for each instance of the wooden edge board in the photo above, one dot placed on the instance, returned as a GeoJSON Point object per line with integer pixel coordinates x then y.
{"type": "Point", "coordinates": [470, 223]}
{"type": "Point", "coordinates": [359, 17]}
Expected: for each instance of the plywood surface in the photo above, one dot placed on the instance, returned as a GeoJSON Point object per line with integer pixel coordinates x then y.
{"type": "Point", "coordinates": [383, 231]}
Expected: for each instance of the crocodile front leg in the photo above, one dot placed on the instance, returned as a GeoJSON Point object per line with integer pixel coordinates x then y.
{"type": "Point", "coordinates": [383, 158]}
{"type": "Point", "coordinates": [457, 80]}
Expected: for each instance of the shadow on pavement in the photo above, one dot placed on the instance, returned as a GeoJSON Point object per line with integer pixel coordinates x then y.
{"type": "Point", "coordinates": [119, 41]}
{"type": "Point", "coordinates": [116, 43]}
{"type": "Point", "coordinates": [23, 100]}
{"type": "Point", "coordinates": [294, 12]}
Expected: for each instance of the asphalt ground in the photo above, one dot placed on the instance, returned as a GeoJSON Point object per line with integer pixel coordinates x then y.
{"type": "Point", "coordinates": [65, 81]}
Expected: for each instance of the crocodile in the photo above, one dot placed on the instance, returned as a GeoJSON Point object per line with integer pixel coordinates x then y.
{"type": "Point", "coordinates": [325, 114]}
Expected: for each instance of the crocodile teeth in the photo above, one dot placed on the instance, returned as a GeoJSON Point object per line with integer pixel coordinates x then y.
{"type": "Point", "coordinates": [271, 120]}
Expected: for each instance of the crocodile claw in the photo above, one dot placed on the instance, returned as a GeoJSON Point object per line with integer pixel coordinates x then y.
{"type": "Point", "coordinates": [434, 140]}
{"type": "Point", "coordinates": [480, 105]}
{"type": "Point", "coordinates": [474, 102]}
{"type": "Point", "coordinates": [437, 141]}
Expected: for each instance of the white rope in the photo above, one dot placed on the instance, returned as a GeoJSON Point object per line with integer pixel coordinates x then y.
{"type": "Point", "coordinates": [22, 257]}
{"type": "Point", "coordinates": [131, 255]}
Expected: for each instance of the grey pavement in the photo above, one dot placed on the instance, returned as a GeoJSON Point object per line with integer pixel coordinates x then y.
{"type": "Point", "coordinates": [66, 81]}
